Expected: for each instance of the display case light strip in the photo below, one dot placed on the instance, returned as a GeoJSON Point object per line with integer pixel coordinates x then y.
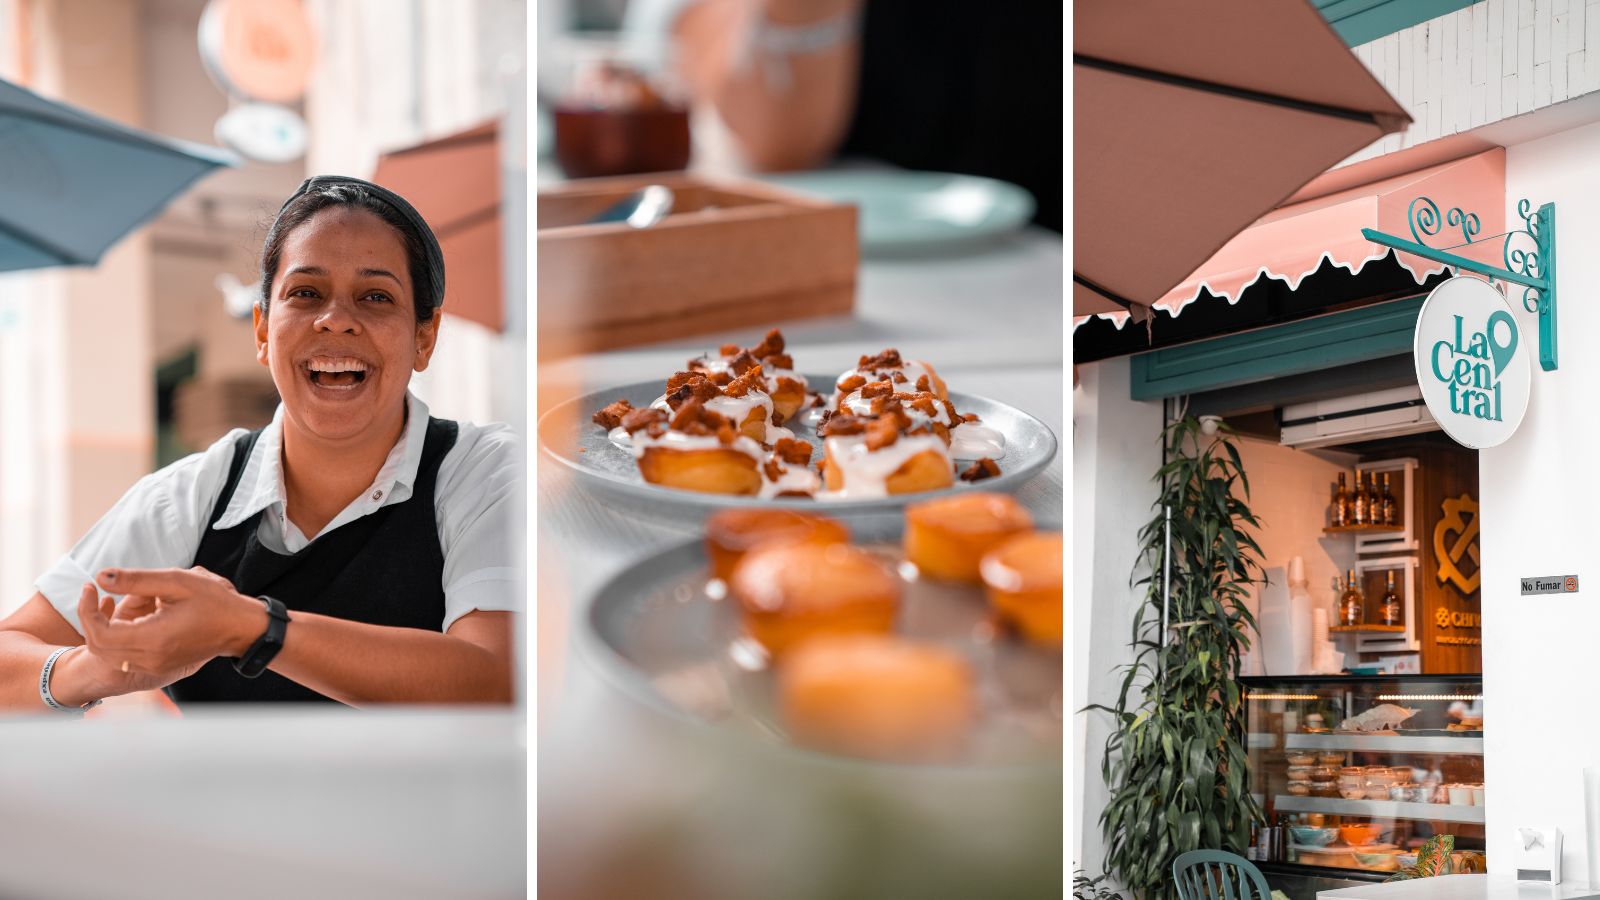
{"type": "Point", "coordinates": [1430, 696]}
{"type": "Point", "coordinates": [1254, 696]}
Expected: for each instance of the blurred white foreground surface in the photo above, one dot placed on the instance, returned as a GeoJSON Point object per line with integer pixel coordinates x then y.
{"type": "Point", "coordinates": [252, 802]}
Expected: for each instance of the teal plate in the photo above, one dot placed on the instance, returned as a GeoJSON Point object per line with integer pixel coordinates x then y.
{"type": "Point", "coordinates": [904, 211]}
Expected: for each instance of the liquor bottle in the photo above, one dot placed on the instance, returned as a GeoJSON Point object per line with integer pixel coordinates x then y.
{"type": "Point", "coordinates": [1352, 603]}
{"type": "Point", "coordinates": [1360, 504]}
{"type": "Point", "coordinates": [1341, 504]}
{"type": "Point", "coordinates": [1389, 610]}
{"type": "Point", "coordinates": [1391, 509]}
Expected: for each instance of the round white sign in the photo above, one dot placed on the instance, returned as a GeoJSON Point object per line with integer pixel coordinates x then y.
{"type": "Point", "coordinates": [263, 132]}
{"type": "Point", "coordinates": [1472, 363]}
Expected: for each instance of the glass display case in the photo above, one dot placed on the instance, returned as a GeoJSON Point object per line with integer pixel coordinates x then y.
{"type": "Point", "coordinates": [1355, 772]}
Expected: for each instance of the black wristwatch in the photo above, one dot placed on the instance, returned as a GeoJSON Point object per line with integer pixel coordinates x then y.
{"type": "Point", "coordinates": [255, 660]}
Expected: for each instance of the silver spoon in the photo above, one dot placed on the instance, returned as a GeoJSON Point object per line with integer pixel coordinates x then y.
{"type": "Point", "coordinates": [640, 209]}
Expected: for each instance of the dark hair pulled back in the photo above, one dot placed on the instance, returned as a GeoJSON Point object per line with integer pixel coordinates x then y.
{"type": "Point", "coordinates": [317, 195]}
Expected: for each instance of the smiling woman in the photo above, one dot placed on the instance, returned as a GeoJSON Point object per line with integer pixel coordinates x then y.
{"type": "Point", "coordinates": [355, 549]}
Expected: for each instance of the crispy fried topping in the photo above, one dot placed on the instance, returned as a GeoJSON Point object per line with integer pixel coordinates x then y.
{"type": "Point", "coordinates": [741, 362]}
{"type": "Point", "coordinates": [851, 384]}
{"type": "Point", "coordinates": [922, 383]}
{"type": "Point", "coordinates": [883, 404]}
{"type": "Point", "coordinates": [727, 349]}
{"type": "Point", "coordinates": [888, 359]}
{"type": "Point", "coordinates": [685, 386]}
{"type": "Point", "coordinates": [876, 389]}
{"type": "Point", "coordinates": [882, 432]}
{"type": "Point", "coordinates": [771, 345]}
{"type": "Point", "coordinates": [969, 417]}
{"type": "Point", "coordinates": [726, 433]}
{"type": "Point", "coordinates": [983, 468]}
{"type": "Point", "coordinates": [924, 404]}
{"type": "Point", "coordinates": [778, 361]}
{"type": "Point", "coordinates": [751, 379]}
{"type": "Point", "coordinates": [942, 431]}
{"type": "Point", "coordinates": [791, 450]}
{"type": "Point", "coordinates": [772, 468]}
{"type": "Point", "coordinates": [900, 378]}
{"type": "Point", "coordinates": [648, 419]}
{"type": "Point", "coordinates": [836, 424]}
{"type": "Point", "coordinates": [693, 418]}
{"type": "Point", "coordinates": [611, 416]}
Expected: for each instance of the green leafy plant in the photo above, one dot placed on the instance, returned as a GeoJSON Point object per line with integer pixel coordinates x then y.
{"type": "Point", "coordinates": [1175, 759]}
{"type": "Point", "coordinates": [1433, 858]}
{"type": "Point", "coordinates": [1086, 888]}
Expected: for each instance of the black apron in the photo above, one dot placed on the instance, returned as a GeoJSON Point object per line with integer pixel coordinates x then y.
{"type": "Point", "coordinates": [385, 568]}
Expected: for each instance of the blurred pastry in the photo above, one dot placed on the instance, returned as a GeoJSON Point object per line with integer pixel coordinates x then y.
{"type": "Point", "coordinates": [791, 592]}
{"type": "Point", "coordinates": [877, 696]}
{"type": "Point", "coordinates": [947, 538]}
{"type": "Point", "coordinates": [1022, 578]}
{"type": "Point", "coordinates": [784, 385]}
{"type": "Point", "coordinates": [882, 455]}
{"type": "Point", "coordinates": [732, 533]}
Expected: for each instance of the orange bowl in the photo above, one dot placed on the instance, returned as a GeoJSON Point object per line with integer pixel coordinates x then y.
{"type": "Point", "coordinates": [1357, 835]}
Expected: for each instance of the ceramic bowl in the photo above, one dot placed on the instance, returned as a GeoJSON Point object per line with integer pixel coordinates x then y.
{"type": "Point", "coordinates": [1308, 836]}
{"type": "Point", "coordinates": [1358, 835]}
{"type": "Point", "coordinates": [1383, 861]}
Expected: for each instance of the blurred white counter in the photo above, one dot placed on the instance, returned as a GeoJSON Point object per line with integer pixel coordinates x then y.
{"type": "Point", "coordinates": [1460, 887]}
{"type": "Point", "coordinates": [265, 803]}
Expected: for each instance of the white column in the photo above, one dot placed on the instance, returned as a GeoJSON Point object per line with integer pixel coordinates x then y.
{"type": "Point", "coordinates": [1116, 445]}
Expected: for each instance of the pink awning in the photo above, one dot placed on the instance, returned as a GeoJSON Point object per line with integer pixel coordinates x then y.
{"type": "Point", "coordinates": [1291, 242]}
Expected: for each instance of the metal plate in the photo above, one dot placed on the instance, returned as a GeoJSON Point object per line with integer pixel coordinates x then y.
{"type": "Point", "coordinates": [662, 631]}
{"type": "Point", "coordinates": [612, 471]}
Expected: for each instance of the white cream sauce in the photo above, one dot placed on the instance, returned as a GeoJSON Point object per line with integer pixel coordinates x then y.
{"type": "Point", "coordinates": [970, 440]}
{"type": "Point", "coordinates": [796, 478]}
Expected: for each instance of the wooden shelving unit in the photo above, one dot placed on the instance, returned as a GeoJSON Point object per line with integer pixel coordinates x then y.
{"type": "Point", "coordinates": [1364, 529]}
{"type": "Point", "coordinates": [1367, 629]}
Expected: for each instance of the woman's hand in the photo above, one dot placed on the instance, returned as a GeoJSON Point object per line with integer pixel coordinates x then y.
{"type": "Point", "coordinates": [171, 622]}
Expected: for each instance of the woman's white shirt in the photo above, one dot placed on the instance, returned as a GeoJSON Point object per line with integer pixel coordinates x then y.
{"type": "Point", "coordinates": [159, 522]}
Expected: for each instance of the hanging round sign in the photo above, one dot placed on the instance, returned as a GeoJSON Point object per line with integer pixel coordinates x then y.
{"type": "Point", "coordinates": [1472, 363]}
{"type": "Point", "coordinates": [263, 132]}
{"type": "Point", "coordinates": [260, 49]}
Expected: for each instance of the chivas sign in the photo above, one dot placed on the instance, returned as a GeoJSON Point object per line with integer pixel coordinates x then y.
{"type": "Point", "coordinates": [1471, 364]}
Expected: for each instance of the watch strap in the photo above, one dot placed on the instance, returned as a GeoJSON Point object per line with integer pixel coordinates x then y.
{"type": "Point", "coordinates": [261, 653]}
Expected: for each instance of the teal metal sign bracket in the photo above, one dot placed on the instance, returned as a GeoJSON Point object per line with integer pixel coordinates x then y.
{"type": "Point", "coordinates": [1533, 269]}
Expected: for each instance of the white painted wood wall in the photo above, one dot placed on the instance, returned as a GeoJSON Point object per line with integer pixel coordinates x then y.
{"type": "Point", "coordinates": [1490, 61]}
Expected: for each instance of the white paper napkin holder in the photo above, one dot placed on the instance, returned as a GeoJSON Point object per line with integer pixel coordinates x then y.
{"type": "Point", "coordinates": [1539, 855]}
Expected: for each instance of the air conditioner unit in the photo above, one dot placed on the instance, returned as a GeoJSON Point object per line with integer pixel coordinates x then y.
{"type": "Point", "coordinates": [1360, 417]}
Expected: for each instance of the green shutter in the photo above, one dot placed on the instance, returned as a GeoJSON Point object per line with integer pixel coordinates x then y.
{"type": "Point", "coordinates": [1363, 21]}
{"type": "Point", "coordinates": [1294, 348]}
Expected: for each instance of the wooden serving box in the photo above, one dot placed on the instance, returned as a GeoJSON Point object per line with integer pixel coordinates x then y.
{"type": "Point", "coordinates": [733, 254]}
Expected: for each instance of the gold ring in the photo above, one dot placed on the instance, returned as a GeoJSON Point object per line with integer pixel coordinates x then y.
{"type": "Point", "coordinates": [124, 666]}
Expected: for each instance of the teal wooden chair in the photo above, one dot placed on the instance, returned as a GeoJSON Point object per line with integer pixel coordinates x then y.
{"type": "Point", "coordinates": [1218, 875]}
